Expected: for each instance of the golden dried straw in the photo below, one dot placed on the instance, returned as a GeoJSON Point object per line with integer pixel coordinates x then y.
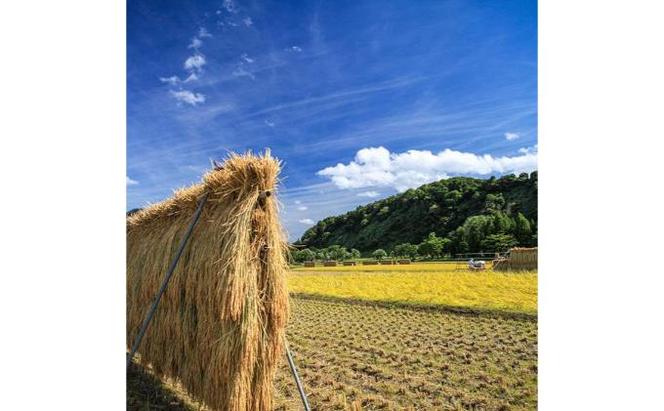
{"type": "Point", "coordinates": [519, 259]}
{"type": "Point", "coordinates": [219, 328]}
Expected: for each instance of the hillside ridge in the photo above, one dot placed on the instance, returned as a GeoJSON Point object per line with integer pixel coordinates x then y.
{"type": "Point", "coordinates": [472, 214]}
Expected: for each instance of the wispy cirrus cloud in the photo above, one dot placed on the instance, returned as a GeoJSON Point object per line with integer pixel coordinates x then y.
{"type": "Point", "coordinates": [172, 80]}
{"type": "Point", "coordinates": [324, 86]}
{"type": "Point", "coordinates": [131, 182]}
{"type": "Point", "coordinates": [203, 33]}
{"type": "Point", "coordinates": [195, 44]}
{"type": "Point", "coordinates": [377, 167]}
{"type": "Point", "coordinates": [308, 221]}
{"type": "Point", "coordinates": [511, 136]}
{"type": "Point", "coordinates": [188, 97]}
{"type": "Point", "coordinates": [230, 6]}
{"type": "Point", "coordinates": [195, 62]}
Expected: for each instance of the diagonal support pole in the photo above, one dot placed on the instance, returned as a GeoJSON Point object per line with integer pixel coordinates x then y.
{"type": "Point", "coordinates": [291, 363]}
{"type": "Point", "coordinates": [164, 284]}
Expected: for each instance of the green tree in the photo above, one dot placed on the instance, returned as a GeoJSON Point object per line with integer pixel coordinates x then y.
{"type": "Point", "coordinates": [337, 252]}
{"type": "Point", "coordinates": [502, 223]}
{"type": "Point", "coordinates": [498, 242]}
{"type": "Point", "coordinates": [307, 255]}
{"type": "Point", "coordinates": [522, 229]}
{"type": "Point", "coordinates": [379, 254]}
{"type": "Point", "coordinates": [475, 229]}
{"type": "Point", "coordinates": [406, 250]}
{"type": "Point", "coordinates": [300, 256]}
{"type": "Point", "coordinates": [355, 253]}
{"type": "Point", "coordinates": [432, 246]}
{"type": "Point", "coordinates": [323, 254]}
{"type": "Point", "coordinates": [494, 202]}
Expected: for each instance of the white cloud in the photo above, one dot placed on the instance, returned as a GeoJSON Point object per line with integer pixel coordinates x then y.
{"type": "Point", "coordinates": [241, 72]}
{"type": "Point", "coordinates": [298, 202]}
{"type": "Point", "coordinates": [172, 80]}
{"type": "Point", "coordinates": [248, 22]}
{"type": "Point", "coordinates": [192, 77]}
{"type": "Point", "coordinates": [269, 123]}
{"type": "Point", "coordinates": [230, 6]}
{"type": "Point", "coordinates": [377, 167]}
{"type": "Point", "coordinates": [370, 194]}
{"type": "Point", "coordinates": [131, 182]}
{"type": "Point", "coordinates": [526, 150]}
{"type": "Point", "coordinates": [195, 44]}
{"type": "Point", "coordinates": [294, 48]}
{"type": "Point", "coordinates": [306, 221]}
{"type": "Point", "coordinates": [202, 33]}
{"type": "Point", "coordinates": [511, 136]}
{"type": "Point", "coordinates": [186, 96]}
{"type": "Point", "coordinates": [246, 58]}
{"type": "Point", "coordinates": [302, 208]}
{"type": "Point", "coordinates": [195, 62]}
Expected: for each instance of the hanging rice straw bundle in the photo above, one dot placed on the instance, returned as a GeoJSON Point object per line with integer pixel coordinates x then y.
{"type": "Point", "coordinates": [219, 329]}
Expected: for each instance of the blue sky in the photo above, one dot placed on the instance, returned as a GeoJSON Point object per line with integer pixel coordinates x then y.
{"type": "Point", "coordinates": [360, 99]}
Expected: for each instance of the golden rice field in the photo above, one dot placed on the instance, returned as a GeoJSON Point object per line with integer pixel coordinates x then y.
{"type": "Point", "coordinates": [432, 284]}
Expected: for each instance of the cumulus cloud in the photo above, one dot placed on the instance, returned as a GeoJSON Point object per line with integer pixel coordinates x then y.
{"type": "Point", "coordinates": [294, 48]}
{"type": "Point", "coordinates": [302, 208]}
{"type": "Point", "coordinates": [306, 221]}
{"type": "Point", "coordinates": [247, 21]}
{"type": "Point", "coordinates": [186, 96]}
{"type": "Point", "coordinates": [195, 62]}
{"type": "Point", "coordinates": [370, 194]}
{"type": "Point", "coordinates": [511, 136]}
{"type": "Point", "coordinates": [526, 150]}
{"type": "Point", "coordinates": [131, 182]}
{"type": "Point", "coordinates": [377, 167]}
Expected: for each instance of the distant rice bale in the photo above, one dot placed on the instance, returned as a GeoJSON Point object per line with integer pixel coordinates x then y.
{"type": "Point", "coordinates": [309, 264]}
{"type": "Point", "coordinates": [405, 261]}
{"type": "Point", "coordinates": [387, 262]}
{"type": "Point", "coordinates": [518, 259]}
{"type": "Point", "coordinates": [329, 263]}
{"type": "Point", "coordinates": [350, 263]}
{"type": "Point", "coordinates": [369, 262]}
{"type": "Point", "coordinates": [220, 326]}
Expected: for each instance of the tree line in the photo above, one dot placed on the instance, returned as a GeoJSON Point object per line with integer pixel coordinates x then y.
{"type": "Point", "coordinates": [496, 232]}
{"type": "Point", "coordinates": [457, 215]}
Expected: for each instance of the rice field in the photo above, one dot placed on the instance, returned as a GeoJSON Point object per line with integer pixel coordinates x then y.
{"type": "Point", "coordinates": [432, 285]}
{"type": "Point", "coordinates": [358, 356]}
{"type": "Point", "coordinates": [362, 342]}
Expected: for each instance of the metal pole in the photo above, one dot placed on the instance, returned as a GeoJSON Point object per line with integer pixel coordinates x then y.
{"type": "Point", "coordinates": [164, 284]}
{"type": "Point", "coordinates": [291, 363]}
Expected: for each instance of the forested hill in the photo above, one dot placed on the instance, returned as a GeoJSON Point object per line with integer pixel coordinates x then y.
{"type": "Point", "coordinates": [468, 214]}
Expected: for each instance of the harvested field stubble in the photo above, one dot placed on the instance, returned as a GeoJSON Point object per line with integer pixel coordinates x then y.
{"type": "Point", "coordinates": [391, 358]}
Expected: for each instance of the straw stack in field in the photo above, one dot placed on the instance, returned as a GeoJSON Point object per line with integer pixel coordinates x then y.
{"type": "Point", "coordinates": [518, 259]}
{"type": "Point", "coordinates": [220, 326]}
